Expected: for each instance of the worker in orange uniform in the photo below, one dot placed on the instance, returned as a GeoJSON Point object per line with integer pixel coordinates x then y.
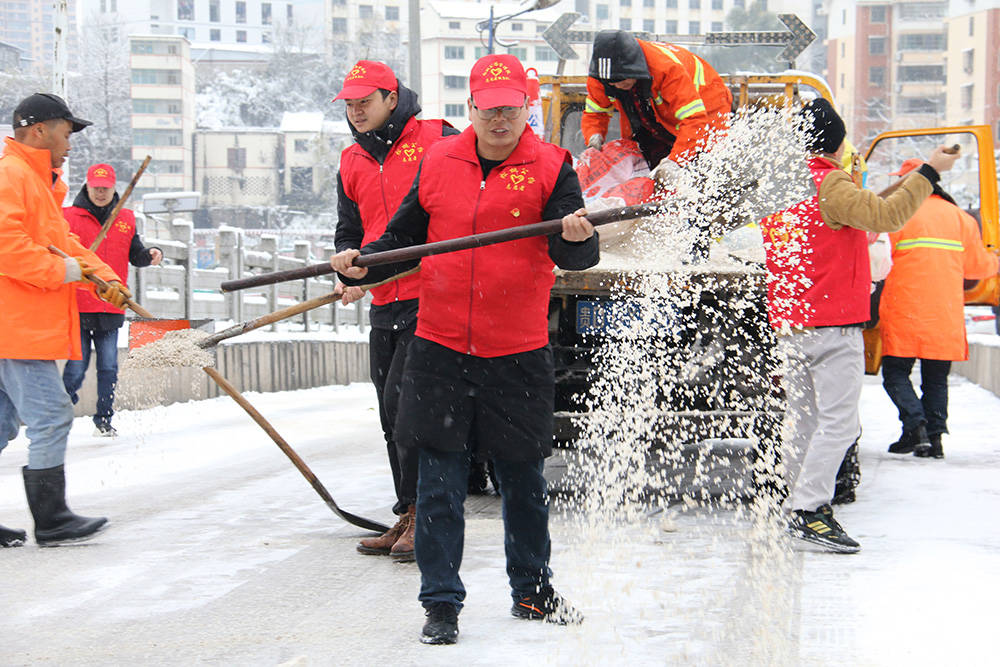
{"type": "Point", "coordinates": [922, 315]}
{"type": "Point", "coordinates": [667, 98]}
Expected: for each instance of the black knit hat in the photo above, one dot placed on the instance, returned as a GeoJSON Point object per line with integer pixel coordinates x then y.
{"type": "Point", "coordinates": [825, 128]}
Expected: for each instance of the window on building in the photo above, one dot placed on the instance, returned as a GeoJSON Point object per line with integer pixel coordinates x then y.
{"type": "Point", "coordinates": [517, 27]}
{"type": "Point", "coordinates": [843, 49]}
{"type": "Point", "coordinates": [582, 7]}
{"type": "Point", "coordinates": [104, 6]}
{"type": "Point", "coordinates": [481, 51]}
{"type": "Point", "coordinates": [241, 35]}
{"type": "Point", "coordinates": [923, 10]}
{"type": "Point", "coordinates": [876, 46]}
{"type": "Point", "coordinates": [141, 137]}
{"type": "Point", "coordinates": [972, 26]}
{"type": "Point", "coordinates": [241, 12]}
{"type": "Point", "coordinates": [920, 73]}
{"type": "Point", "coordinates": [289, 12]}
{"type": "Point", "coordinates": [265, 38]}
{"type": "Point", "coordinates": [922, 41]}
{"type": "Point", "coordinates": [214, 11]}
{"type": "Point", "coordinates": [876, 76]}
{"type": "Point", "coordinates": [546, 54]}
{"type": "Point", "coordinates": [671, 4]}
{"type": "Point", "coordinates": [114, 5]}
{"type": "Point", "coordinates": [739, 3]}
{"type": "Point", "coordinates": [624, 24]}
{"type": "Point", "coordinates": [694, 27]}
{"type": "Point", "coordinates": [648, 25]}
{"type": "Point", "coordinates": [391, 13]}
{"type": "Point", "coordinates": [602, 13]}
{"type": "Point", "coordinates": [671, 27]}
{"type": "Point", "coordinates": [455, 82]}
{"type": "Point", "coordinates": [648, 3]}
{"type": "Point", "coordinates": [454, 53]}
{"type": "Point", "coordinates": [967, 96]}
{"type": "Point", "coordinates": [968, 60]}
{"type": "Point", "coordinates": [842, 80]}
{"type": "Point", "coordinates": [215, 35]}
{"type": "Point", "coordinates": [366, 11]}
{"type": "Point", "coordinates": [876, 14]}
{"type": "Point", "coordinates": [301, 145]}
{"type": "Point", "coordinates": [185, 10]}
{"type": "Point", "coordinates": [454, 25]}
{"type": "Point", "coordinates": [694, 4]}
{"type": "Point", "coordinates": [338, 26]}
{"type": "Point", "coordinates": [236, 158]}
{"type": "Point", "coordinates": [716, 26]}
{"type": "Point", "coordinates": [519, 52]}
{"type": "Point", "coordinates": [265, 13]}
{"type": "Point", "coordinates": [187, 33]}
{"type": "Point", "coordinates": [454, 110]}
{"type": "Point", "coordinates": [155, 76]}
{"type": "Point", "coordinates": [921, 105]}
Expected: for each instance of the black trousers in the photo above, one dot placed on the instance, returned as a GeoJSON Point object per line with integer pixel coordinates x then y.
{"type": "Point", "coordinates": [387, 356]}
{"type": "Point", "coordinates": [931, 408]}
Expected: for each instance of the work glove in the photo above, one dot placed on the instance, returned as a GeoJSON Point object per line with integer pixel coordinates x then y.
{"type": "Point", "coordinates": [666, 174]}
{"type": "Point", "coordinates": [77, 270]}
{"type": "Point", "coordinates": [114, 293]}
{"type": "Point", "coordinates": [595, 141]}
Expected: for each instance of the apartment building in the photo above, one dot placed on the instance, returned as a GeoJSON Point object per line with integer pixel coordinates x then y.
{"type": "Point", "coordinates": [30, 26]}
{"type": "Point", "coordinates": [163, 117]}
{"type": "Point", "coordinates": [914, 63]}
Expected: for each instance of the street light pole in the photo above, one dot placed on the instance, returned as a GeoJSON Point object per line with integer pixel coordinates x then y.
{"type": "Point", "coordinates": [491, 24]}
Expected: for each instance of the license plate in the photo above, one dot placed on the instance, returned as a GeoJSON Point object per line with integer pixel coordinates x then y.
{"type": "Point", "coordinates": [601, 317]}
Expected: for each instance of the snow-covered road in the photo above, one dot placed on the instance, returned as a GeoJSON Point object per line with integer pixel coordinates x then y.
{"type": "Point", "coordinates": [221, 553]}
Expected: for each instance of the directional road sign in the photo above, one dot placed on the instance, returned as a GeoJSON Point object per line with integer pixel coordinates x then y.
{"type": "Point", "coordinates": [795, 39]}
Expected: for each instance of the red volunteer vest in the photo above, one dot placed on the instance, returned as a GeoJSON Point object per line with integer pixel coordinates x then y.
{"type": "Point", "coordinates": [362, 177]}
{"type": "Point", "coordinates": [816, 276]}
{"type": "Point", "coordinates": [113, 250]}
{"type": "Point", "coordinates": [492, 301]}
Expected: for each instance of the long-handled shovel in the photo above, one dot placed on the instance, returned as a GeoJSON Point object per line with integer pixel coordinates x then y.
{"type": "Point", "coordinates": [361, 522]}
{"type": "Point", "coordinates": [439, 247]}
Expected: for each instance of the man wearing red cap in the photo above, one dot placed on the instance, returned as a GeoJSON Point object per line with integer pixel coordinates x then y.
{"type": "Point", "coordinates": [375, 174]}
{"type": "Point", "coordinates": [38, 303]}
{"type": "Point", "coordinates": [99, 320]}
{"type": "Point", "coordinates": [922, 313]}
{"type": "Point", "coordinates": [479, 369]}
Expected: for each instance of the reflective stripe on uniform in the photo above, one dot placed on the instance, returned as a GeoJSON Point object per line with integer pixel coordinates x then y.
{"type": "Point", "coordinates": [691, 108]}
{"type": "Point", "coordinates": [669, 52]}
{"type": "Point", "coordinates": [930, 242]}
{"type": "Point", "coordinates": [658, 99]}
{"type": "Point", "coordinates": [590, 106]}
{"type": "Point", "coordinates": [699, 74]}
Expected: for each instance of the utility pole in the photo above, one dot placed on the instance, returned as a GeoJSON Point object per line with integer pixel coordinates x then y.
{"type": "Point", "coordinates": [414, 10]}
{"type": "Point", "coordinates": [60, 58]}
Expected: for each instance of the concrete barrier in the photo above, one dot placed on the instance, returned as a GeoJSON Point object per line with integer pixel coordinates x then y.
{"type": "Point", "coordinates": [262, 366]}
{"type": "Point", "coordinates": [983, 366]}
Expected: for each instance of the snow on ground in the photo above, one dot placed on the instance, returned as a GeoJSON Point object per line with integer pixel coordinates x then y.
{"type": "Point", "coordinates": [221, 553]}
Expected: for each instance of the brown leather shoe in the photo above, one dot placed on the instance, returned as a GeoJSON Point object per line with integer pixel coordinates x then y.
{"type": "Point", "coordinates": [380, 546]}
{"type": "Point", "coordinates": [402, 550]}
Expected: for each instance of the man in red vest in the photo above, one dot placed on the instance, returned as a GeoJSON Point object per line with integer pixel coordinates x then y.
{"type": "Point", "coordinates": [818, 301]}
{"type": "Point", "coordinates": [375, 174]}
{"type": "Point", "coordinates": [100, 320]}
{"type": "Point", "coordinates": [479, 372]}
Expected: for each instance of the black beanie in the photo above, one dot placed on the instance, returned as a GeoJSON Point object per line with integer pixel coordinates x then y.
{"type": "Point", "coordinates": [824, 127]}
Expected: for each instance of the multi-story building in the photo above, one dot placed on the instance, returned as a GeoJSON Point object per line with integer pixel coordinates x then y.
{"type": "Point", "coordinates": [163, 117]}
{"type": "Point", "coordinates": [29, 25]}
{"type": "Point", "coordinates": [914, 63]}
{"type": "Point", "coordinates": [10, 57]}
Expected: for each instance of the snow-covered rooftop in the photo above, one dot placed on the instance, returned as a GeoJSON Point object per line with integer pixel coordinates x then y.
{"type": "Point", "coordinates": [302, 121]}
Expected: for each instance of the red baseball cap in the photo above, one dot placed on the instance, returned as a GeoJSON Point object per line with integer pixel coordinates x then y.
{"type": "Point", "coordinates": [498, 81]}
{"type": "Point", "coordinates": [365, 78]}
{"type": "Point", "coordinates": [907, 166]}
{"type": "Point", "coordinates": [101, 176]}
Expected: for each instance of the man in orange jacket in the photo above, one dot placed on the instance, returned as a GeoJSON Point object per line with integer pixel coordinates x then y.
{"type": "Point", "coordinates": [667, 97]}
{"type": "Point", "coordinates": [921, 313]}
{"type": "Point", "coordinates": [38, 302]}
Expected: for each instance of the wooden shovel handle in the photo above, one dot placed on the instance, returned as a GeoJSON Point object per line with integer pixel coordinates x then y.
{"type": "Point", "coordinates": [103, 284]}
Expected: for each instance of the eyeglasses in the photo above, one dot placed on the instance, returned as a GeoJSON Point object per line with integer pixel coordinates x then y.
{"type": "Point", "coordinates": [510, 113]}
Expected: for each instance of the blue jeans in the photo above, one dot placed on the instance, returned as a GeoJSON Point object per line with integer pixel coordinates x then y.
{"type": "Point", "coordinates": [105, 343]}
{"type": "Point", "coordinates": [931, 408]}
{"type": "Point", "coordinates": [31, 391]}
{"type": "Point", "coordinates": [440, 524]}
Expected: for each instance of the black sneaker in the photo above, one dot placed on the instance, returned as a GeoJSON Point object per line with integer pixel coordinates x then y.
{"type": "Point", "coordinates": [821, 528]}
{"type": "Point", "coordinates": [910, 440]}
{"type": "Point", "coordinates": [933, 450]}
{"type": "Point", "coordinates": [546, 605]}
{"type": "Point", "coordinates": [441, 626]}
{"type": "Point", "coordinates": [10, 537]}
{"type": "Point", "coordinates": [105, 431]}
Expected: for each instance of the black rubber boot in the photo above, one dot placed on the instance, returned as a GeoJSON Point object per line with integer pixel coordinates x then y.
{"type": "Point", "coordinates": [11, 538]}
{"type": "Point", "coordinates": [55, 523]}
{"type": "Point", "coordinates": [441, 626]}
{"type": "Point", "coordinates": [910, 441]}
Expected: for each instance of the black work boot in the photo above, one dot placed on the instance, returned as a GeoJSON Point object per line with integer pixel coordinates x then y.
{"type": "Point", "coordinates": [55, 523]}
{"type": "Point", "coordinates": [934, 451]}
{"type": "Point", "coordinates": [11, 538]}
{"type": "Point", "coordinates": [910, 441]}
{"type": "Point", "coordinates": [441, 626]}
